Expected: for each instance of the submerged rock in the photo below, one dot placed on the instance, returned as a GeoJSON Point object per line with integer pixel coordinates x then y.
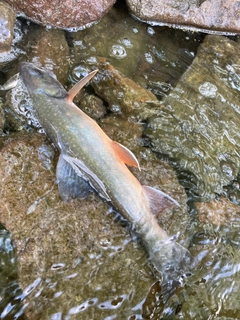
{"type": "Point", "coordinates": [218, 212]}
{"type": "Point", "coordinates": [122, 94]}
{"type": "Point", "coordinates": [7, 20]}
{"type": "Point", "coordinates": [153, 57]}
{"type": "Point", "coordinates": [47, 48]}
{"type": "Point", "coordinates": [63, 14]}
{"type": "Point", "coordinates": [198, 128]}
{"type": "Point", "coordinates": [202, 15]}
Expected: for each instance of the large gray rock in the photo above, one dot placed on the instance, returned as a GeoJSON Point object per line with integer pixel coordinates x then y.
{"type": "Point", "coordinates": [208, 15]}
{"type": "Point", "coordinates": [63, 14]}
{"type": "Point", "coordinates": [198, 129]}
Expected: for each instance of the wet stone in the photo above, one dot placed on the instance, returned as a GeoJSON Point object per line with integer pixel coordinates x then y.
{"type": "Point", "coordinates": [92, 106]}
{"type": "Point", "coordinates": [198, 128]}
{"type": "Point", "coordinates": [153, 57]}
{"type": "Point", "coordinates": [202, 15]}
{"type": "Point", "coordinates": [63, 14]}
{"type": "Point", "coordinates": [215, 281]}
{"type": "Point", "coordinates": [122, 94]}
{"type": "Point", "coordinates": [47, 48]}
{"type": "Point", "coordinates": [7, 20]}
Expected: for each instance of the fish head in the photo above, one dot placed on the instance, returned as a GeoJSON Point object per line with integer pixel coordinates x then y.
{"type": "Point", "coordinates": [40, 81]}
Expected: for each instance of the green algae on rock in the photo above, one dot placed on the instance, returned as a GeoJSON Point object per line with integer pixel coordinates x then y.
{"type": "Point", "coordinates": [198, 129]}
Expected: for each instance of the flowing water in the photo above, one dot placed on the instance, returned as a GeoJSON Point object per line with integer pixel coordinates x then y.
{"type": "Point", "coordinates": [80, 260]}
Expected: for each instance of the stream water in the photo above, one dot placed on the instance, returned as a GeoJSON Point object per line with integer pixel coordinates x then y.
{"type": "Point", "coordinates": [80, 260]}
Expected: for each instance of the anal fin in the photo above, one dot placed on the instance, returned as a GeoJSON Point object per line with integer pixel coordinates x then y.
{"type": "Point", "coordinates": [158, 200]}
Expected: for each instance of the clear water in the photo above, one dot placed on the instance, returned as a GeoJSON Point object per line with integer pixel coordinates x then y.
{"type": "Point", "coordinates": [79, 260]}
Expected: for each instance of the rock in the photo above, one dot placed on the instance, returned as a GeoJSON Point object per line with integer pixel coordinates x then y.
{"type": "Point", "coordinates": [219, 212]}
{"type": "Point", "coordinates": [198, 128]}
{"type": "Point", "coordinates": [64, 14]}
{"type": "Point", "coordinates": [153, 57]}
{"type": "Point", "coordinates": [122, 94]}
{"type": "Point", "coordinates": [47, 48]}
{"type": "Point", "coordinates": [7, 20]}
{"type": "Point", "coordinates": [209, 15]}
{"type": "Point", "coordinates": [75, 258]}
{"type": "Point", "coordinates": [93, 107]}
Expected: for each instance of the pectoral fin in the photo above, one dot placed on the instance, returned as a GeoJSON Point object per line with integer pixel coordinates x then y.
{"type": "Point", "coordinates": [158, 200]}
{"type": "Point", "coordinates": [125, 154]}
{"type": "Point", "coordinates": [79, 85]}
{"type": "Point", "coordinates": [70, 184]}
{"type": "Point", "coordinates": [85, 173]}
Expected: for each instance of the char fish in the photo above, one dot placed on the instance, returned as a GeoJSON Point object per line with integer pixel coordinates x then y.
{"type": "Point", "coordinates": [88, 157]}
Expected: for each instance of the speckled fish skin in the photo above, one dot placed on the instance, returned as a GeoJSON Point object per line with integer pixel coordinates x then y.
{"type": "Point", "coordinates": [77, 136]}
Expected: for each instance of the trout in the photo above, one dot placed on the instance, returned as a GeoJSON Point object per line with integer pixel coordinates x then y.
{"type": "Point", "coordinates": [88, 157]}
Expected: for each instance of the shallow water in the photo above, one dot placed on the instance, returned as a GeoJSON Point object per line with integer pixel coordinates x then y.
{"type": "Point", "coordinates": [100, 270]}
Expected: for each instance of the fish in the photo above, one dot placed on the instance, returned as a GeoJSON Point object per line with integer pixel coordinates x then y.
{"type": "Point", "coordinates": [89, 159]}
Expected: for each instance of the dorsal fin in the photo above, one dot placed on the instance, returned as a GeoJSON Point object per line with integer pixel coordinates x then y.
{"type": "Point", "coordinates": [79, 85]}
{"type": "Point", "coordinates": [158, 200]}
{"type": "Point", "coordinates": [125, 154]}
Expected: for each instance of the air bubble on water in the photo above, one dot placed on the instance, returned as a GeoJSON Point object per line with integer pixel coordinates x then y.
{"type": "Point", "coordinates": [150, 31]}
{"type": "Point", "coordinates": [126, 42]}
{"type": "Point", "coordinates": [118, 51]}
{"type": "Point", "coordinates": [56, 316]}
{"type": "Point", "coordinates": [208, 90]}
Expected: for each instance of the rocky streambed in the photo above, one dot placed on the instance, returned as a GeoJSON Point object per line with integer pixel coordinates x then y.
{"type": "Point", "coordinates": [171, 97]}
